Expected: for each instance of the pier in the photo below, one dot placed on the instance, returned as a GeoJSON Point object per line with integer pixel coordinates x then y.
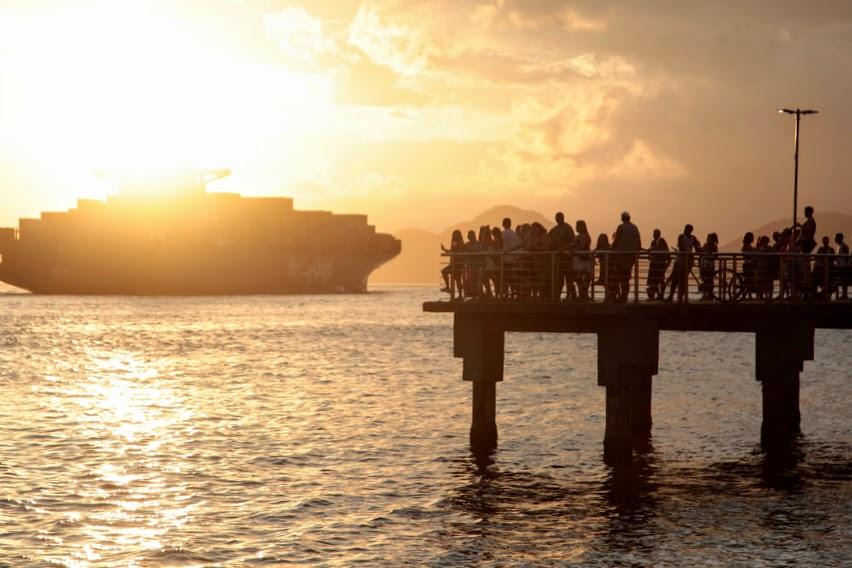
{"type": "Point", "coordinates": [628, 335]}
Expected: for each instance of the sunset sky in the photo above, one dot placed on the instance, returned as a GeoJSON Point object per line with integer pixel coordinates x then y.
{"type": "Point", "coordinates": [421, 113]}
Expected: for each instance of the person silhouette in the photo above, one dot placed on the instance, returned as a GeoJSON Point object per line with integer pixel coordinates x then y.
{"type": "Point", "coordinates": [657, 266]}
{"type": "Point", "coordinates": [808, 232]}
{"type": "Point", "coordinates": [627, 239]}
{"type": "Point", "coordinates": [686, 244]}
{"type": "Point", "coordinates": [842, 267]}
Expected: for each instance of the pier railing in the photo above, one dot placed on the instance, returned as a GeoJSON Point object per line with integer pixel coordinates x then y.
{"type": "Point", "coordinates": [615, 276]}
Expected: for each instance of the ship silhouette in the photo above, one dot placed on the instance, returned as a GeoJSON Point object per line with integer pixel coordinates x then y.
{"type": "Point", "coordinates": [172, 237]}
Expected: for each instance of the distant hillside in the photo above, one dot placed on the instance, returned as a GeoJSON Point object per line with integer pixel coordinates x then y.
{"type": "Point", "coordinates": [420, 263]}
{"type": "Point", "coordinates": [827, 225]}
{"type": "Point", "coordinates": [494, 218]}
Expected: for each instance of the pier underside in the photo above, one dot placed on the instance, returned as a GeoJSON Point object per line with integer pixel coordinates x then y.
{"type": "Point", "coordinates": [628, 355]}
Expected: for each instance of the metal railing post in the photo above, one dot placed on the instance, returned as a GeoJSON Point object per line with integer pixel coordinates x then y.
{"type": "Point", "coordinates": [606, 278]}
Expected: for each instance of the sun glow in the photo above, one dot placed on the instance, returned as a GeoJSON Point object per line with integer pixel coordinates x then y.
{"type": "Point", "coordinates": [128, 89]}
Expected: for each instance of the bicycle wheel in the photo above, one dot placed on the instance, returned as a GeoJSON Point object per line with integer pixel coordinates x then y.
{"type": "Point", "coordinates": [730, 285]}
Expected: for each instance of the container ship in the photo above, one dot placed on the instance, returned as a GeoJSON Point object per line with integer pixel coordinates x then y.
{"type": "Point", "coordinates": [172, 237]}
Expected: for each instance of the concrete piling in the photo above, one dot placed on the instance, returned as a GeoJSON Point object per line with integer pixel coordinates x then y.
{"type": "Point", "coordinates": [628, 356]}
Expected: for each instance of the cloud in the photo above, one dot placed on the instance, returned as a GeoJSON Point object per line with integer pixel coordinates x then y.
{"type": "Point", "coordinates": [399, 47]}
{"type": "Point", "coordinates": [297, 35]}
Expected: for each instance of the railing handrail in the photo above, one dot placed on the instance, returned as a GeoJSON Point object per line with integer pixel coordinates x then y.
{"type": "Point", "coordinates": [645, 252]}
{"type": "Point", "coordinates": [714, 275]}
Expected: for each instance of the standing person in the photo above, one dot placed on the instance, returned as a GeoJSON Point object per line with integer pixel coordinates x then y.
{"type": "Point", "coordinates": [657, 266]}
{"type": "Point", "coordinates": [627, 239]}
{"type": "Point", "coordinates": [822, 271]}
{"type": "Point", "coordinates": [763, 269]}
{"type": "Point", "coordinates": [843, 268]}
{"type": "Point", "coordinates": [473, 266]}
{"type": "Point", "coordinates": [686, 244]}
{"type": "Point", "coordinates": [807, 238]}
{"type": "Point", "coordinates": [601, 248]}
{"type": "Point", "coordinates": [454, 267]}
{"type": "Point", "coordinates": [562, 239]}
{"type": "Point", "coordinates": [540, 277]}
{"type": "Point", "coordinates": [748, 264]}
{"type": "Point", "coordinates": [707, 266]}
{"type": "Point", "coordinates": [583, 263]}
{"type": "Point", "coordinates": [488, 265]}
{"type": "Point", "coordinates": [497, 247]}
{"type": "Point", "coordinates": [511, 244]}
{"type": "Point", "coordinates": [774, 263]}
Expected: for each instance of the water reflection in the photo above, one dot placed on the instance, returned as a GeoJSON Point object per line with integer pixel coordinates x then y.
{"type": "Point", "coordinates": [131, 424]}
{"type": "Point", "coordinates": [509, 507]}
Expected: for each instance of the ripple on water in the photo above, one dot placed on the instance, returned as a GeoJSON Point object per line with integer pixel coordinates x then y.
{"type": "Point", "coordinates": [333, 430]}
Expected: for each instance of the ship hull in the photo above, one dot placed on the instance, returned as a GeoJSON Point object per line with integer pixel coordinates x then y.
{"type": "Point", "coordinates": [222, 275]}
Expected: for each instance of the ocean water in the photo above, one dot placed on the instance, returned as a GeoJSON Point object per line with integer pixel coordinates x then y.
{"type": "Point", "coordinates": [332, 430]}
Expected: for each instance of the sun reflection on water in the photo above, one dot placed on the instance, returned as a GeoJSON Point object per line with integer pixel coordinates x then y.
{"type": "Point", "coordinates": [134, 425]}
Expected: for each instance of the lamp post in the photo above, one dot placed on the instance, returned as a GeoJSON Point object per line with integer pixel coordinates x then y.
{"type": "Point", "coordinates": [799, 113]}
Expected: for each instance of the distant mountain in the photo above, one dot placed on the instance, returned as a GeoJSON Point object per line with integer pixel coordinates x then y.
{"type": "Point", "coordinates": [420, 263]}
{"type": "Point", "coordinates": [827, 225]}
{"type": "Point", "coordinates": [494, 216]}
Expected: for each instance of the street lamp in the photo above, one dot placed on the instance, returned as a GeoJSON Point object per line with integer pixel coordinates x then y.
{"type": "Point", "coordinates": [798, 112]}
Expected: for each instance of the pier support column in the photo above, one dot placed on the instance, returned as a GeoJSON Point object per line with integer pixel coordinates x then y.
{"type": "Point", "coordinates": [480, 345]}
{"type": "Point", "coordinates": [781, 351]}
{"type": "Point", "coordinates": [628, 357]}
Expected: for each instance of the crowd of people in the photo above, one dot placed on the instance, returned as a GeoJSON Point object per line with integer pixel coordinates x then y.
{"type": "Point", "coordinates": [496, 263]}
